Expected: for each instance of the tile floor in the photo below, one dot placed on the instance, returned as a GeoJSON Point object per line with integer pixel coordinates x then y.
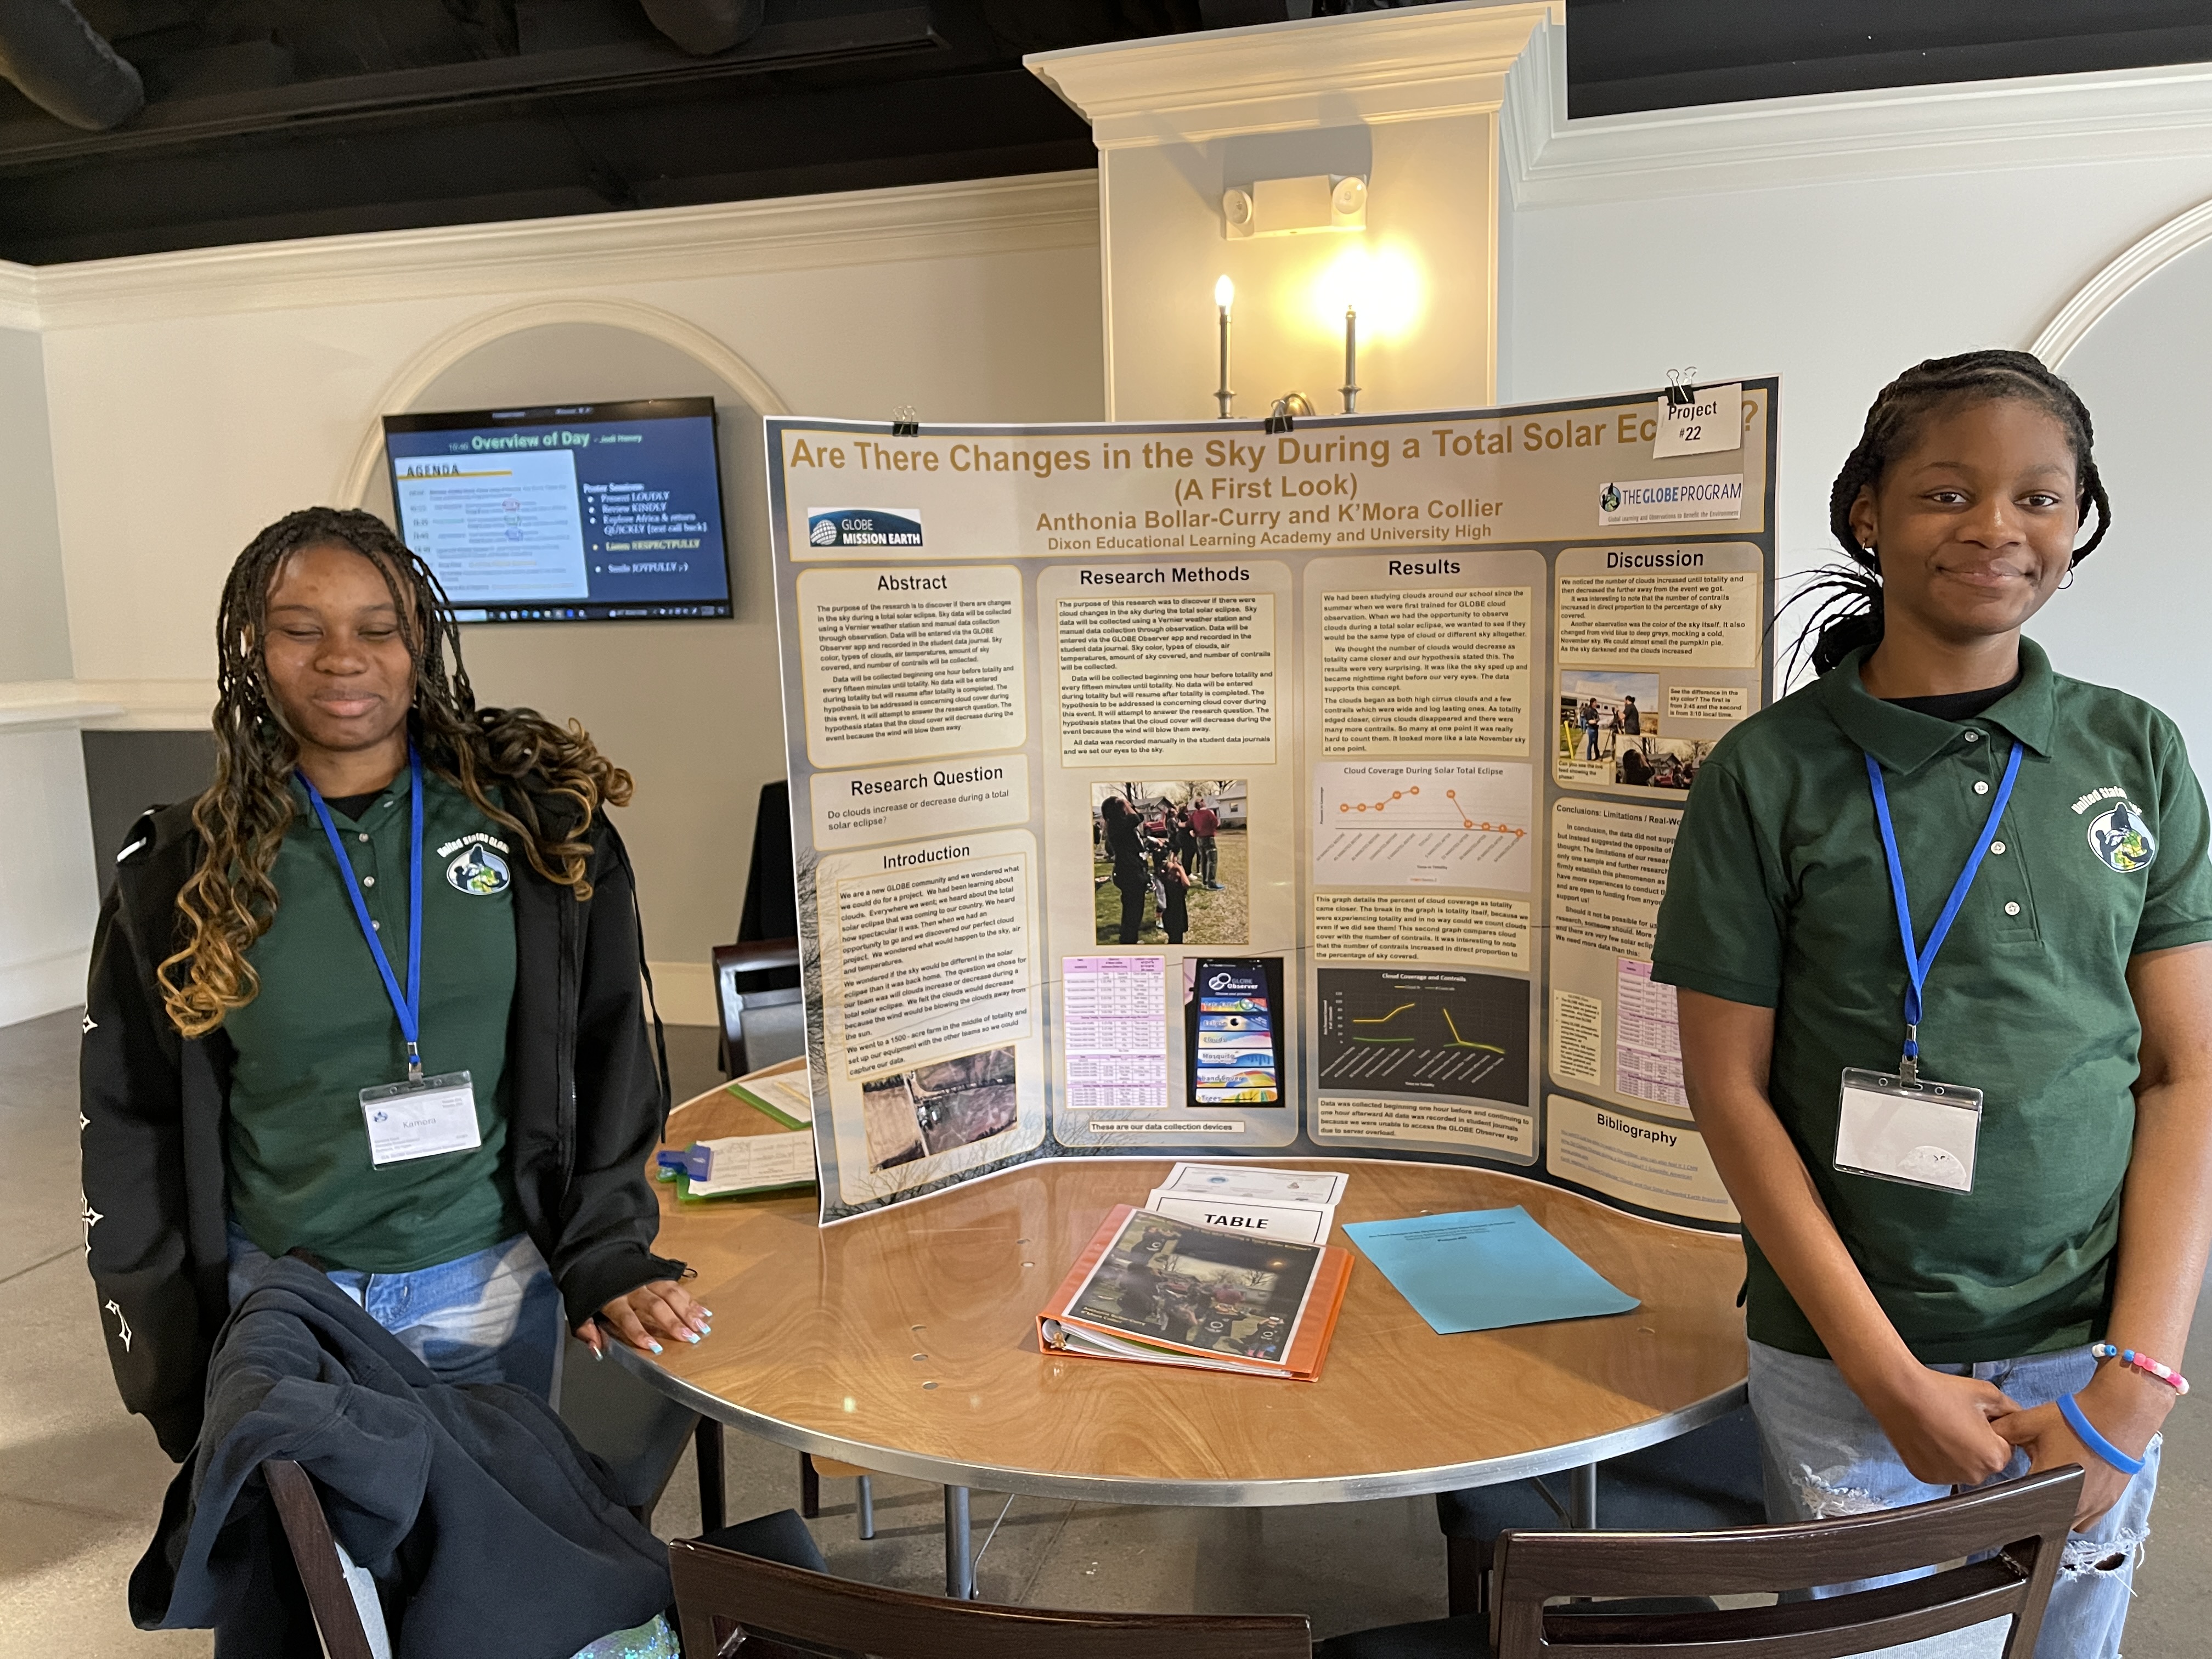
{"type": "Point", "coordinates": [81, 1481]}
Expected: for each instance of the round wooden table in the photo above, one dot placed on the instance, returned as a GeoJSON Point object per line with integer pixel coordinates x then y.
{"type": "Point", "coordinates": [905, 1342]}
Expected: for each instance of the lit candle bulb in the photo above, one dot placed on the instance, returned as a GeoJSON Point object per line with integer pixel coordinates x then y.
{"type": "Point", "coordinates": [1225, 295]}
{"type": "Point", "coordinates": [1351, 387]}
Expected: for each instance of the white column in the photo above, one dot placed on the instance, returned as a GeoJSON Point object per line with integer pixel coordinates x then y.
{"type": "Point", "coordinates": [1407, 99]}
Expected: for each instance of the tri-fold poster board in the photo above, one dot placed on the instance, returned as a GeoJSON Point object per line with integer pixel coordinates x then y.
{"type": "Point", "coordinates": [1376, 734]}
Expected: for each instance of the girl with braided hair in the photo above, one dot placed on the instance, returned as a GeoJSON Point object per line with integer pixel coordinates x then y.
{"type": "Point", "coordinates": [372, 1001]}
{"type": "Point", "coordinates": [1939, 925]}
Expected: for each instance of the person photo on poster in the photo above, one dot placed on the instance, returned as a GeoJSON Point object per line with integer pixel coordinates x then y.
{"type": "Point", "coordinates": [1169, 862]}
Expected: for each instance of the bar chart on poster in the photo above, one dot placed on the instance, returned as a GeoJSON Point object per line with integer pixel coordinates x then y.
{"type": "Point", "coordinates": [1185, 788]}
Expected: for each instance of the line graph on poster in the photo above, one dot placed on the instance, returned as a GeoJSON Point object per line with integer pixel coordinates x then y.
{"type": "Point", "coordinates": [1406, 1031]}
{"type": "Point", "coordinates": [1423, 824]}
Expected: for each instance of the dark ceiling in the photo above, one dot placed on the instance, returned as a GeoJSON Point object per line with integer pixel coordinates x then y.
{"type": "Point", "coordinates": [272, 119]}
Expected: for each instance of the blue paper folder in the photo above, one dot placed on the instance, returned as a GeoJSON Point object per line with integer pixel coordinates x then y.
{"type": "Point", "coordinates": [1481, 1270]}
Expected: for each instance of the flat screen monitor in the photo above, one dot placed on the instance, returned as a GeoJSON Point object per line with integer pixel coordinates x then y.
{"type": "Point", "coordinates": [571, 512]}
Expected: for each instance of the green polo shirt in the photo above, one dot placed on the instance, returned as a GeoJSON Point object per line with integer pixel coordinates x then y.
{"type": "Point", "coordinates": [323, 1028]}
{"type": "Point", "coordinates": [1779, 896]}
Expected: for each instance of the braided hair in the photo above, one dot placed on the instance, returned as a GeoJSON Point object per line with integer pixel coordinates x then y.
{"type": "Point", "coordinates": [229, 900]}
{"type": "Point", "coordinates": [1847, 604]}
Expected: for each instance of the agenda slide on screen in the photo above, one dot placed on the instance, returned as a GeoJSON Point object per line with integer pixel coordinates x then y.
{"type": "Point", "coordinates": [587, 512]}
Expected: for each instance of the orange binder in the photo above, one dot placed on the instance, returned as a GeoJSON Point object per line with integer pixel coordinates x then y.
{"type": "Point", "coordinates": [1159, 1291]}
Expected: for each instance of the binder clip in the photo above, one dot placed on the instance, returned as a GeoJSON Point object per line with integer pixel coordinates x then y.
{"type": "Point", "coordinates": [1279, 417]}
{"type": "Point", "coordinates": [1681, 386]}
{"type": "Point", "coordinates": [697, 1161]}
{"type": "Point", "coordinates": [905, 423]}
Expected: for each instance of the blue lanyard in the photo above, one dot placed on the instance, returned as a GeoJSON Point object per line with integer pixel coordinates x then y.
{"type": "Point", "coordinates": [408, 1005]}
{"type": "Point", "coordinates": [1917, 963]}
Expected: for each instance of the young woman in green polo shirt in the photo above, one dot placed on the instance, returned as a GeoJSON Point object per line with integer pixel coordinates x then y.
{"type": "Point", "coordinates": [372, 1000]}
{"type": "Point", "coordinates": [1930, 1287]}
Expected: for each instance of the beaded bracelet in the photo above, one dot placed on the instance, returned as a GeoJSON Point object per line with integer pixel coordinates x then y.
{"type": "Point", "coordinates": [2144, 1363]}
{"type": "Point", "coordinates": [2087, 1432]}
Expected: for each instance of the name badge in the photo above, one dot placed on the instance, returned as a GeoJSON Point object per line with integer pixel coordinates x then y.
{"type": "Point", "coordinates": [1920, 1133]}
{"type": "Point", "coordinates": [408, 1121]}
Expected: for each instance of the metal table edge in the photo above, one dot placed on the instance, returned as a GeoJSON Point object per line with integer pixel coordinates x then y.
{"type": "Point", "coordinates": [1197, 1494]}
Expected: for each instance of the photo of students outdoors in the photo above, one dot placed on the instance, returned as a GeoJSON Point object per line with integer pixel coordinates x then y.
{"type": "Point", "coordinates": [1169, 862]}
{"type": "Point", "coordinates": [1609, 732]}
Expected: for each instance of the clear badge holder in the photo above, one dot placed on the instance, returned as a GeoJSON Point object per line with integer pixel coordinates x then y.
{"type": "Point", "coordinates": [1908, 1130]}
{"type": "Point", "coordinates": [421, 1118]}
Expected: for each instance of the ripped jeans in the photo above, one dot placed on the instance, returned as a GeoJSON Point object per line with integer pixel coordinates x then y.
{"type": "Point", "coordinates": [1825, 1456]}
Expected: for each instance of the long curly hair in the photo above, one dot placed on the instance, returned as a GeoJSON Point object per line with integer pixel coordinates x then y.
{"type": "Point", "coordinates": [230, 900]}
{"type": "Point", "coordinates": [1846, 600]}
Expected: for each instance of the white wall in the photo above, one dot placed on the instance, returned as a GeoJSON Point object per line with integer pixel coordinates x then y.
{"type": "Point", "coordinates": [35, 616]}
{"type": "Point", "coordinates": [1836, 288]}
{"type": "Point", "coordinates": [1835, 241]}
{"type": "Point", "coordinates": [2136, 616]}
{"type": "Point", "coordinates": [195, 397]}
{"type": "Point", "coordinates": [676, 704]}
{"type": "Point", "coordinates": [48, 893]}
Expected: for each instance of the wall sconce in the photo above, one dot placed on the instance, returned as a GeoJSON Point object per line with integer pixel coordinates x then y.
{"type": "Point", "coordinates": [1370, 291]}
{"type": "Point", "coordinates": [1295, 207]}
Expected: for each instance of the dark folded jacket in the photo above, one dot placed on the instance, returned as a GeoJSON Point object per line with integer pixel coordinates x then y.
{"type": "Point", "coordinates": [492, 1533]}
{"type": "Point", "coordinates": [585, 1107]}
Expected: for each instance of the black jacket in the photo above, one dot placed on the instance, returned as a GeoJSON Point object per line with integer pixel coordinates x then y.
{"type": "Point", "coordinates": [586, 1109]}
{"type": "Point", "coordinates": [490, 1531]}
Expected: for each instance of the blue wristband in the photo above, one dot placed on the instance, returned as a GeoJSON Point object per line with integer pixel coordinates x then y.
{"type": "Point", "coordinates": [2096, 1443]}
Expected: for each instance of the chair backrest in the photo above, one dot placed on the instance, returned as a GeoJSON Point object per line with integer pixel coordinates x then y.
{"type": "Point", "coordinates": [771, 905]}
{"type": "Point", "coordinates": [322, 1570]}
{"type": "Point", "coordinates": [720, 1593]}
{"type": "Point", "coordinates": [2019, 1528]}
{"type": "Point", "coordinates": [763, 1012]}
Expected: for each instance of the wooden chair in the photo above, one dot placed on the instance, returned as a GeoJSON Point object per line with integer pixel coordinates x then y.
{"type": "Point", "coordinates": [2017, 1530]}
{"type": "Point", "coordinates": [733, 1604]}
{"type": "Point", "coordinates": [1702, 1481]}
{"type": "Point", "coordinates": [315, 1553]}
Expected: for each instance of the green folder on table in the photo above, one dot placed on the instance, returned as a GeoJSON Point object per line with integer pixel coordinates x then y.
{"type": "Point", "coordinates": [1482, 1270]}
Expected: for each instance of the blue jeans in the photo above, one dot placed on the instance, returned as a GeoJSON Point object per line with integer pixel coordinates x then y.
{"type": "Point", "coordinates": [1825, 1456]}
{"type": "Point", "coordinates": [493, 1316]}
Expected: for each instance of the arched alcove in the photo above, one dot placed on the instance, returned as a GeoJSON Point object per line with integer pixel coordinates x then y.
{"type": "Point", "coordinates": [692, 709]}
{"type": "Point", "coordinates": [2132, 342]}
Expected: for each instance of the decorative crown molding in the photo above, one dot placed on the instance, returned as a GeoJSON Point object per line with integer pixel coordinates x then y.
{"type": "Point", "coordinates": [2108, 286]}
{"type": "Point", "coordinates": [1831, 138]}
{"type": "Point", "coordinates": [415, 376]}
{"type": "Point", "coordinates": [1394, 65]}
{"type": "Point", "coordinates": [924, 222]}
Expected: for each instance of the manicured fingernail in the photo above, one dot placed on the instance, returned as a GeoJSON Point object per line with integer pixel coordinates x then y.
{"type": "Point", "coordinates": [709, 1312]}
{"type": "Point", "coordinates": [598, 1353]}
{"type": "Point", "coordinates": [656, 1347]}
{"type": "Point", "coordinates": [706, 1330]}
